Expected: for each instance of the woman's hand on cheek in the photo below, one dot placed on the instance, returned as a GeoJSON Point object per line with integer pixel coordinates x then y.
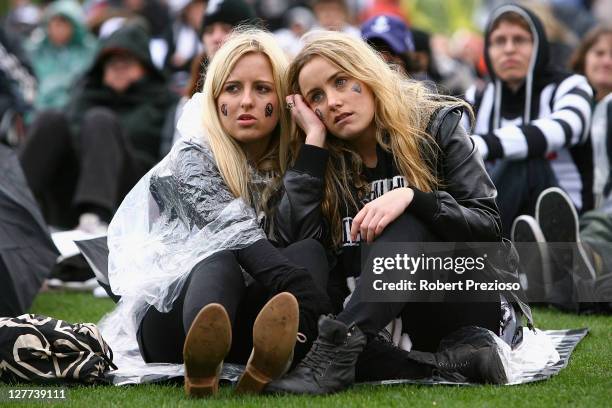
{"type": "Point", "coordinates": [307, 120]}
{"type": "Point", "coordinates": [377, 214]}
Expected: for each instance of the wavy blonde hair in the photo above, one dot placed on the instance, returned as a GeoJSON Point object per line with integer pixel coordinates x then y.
{"type": "Point", "coordinates": [229, 156]}
{"type": "Point", "coordinates": [403, 110]}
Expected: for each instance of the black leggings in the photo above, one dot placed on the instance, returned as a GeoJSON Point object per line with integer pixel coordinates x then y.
{"type": "Point", "coordinates": [220, 279]}
{"type": "Point", "coordinates": [426, 323]}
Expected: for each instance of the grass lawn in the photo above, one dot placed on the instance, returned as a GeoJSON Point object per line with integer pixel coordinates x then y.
{"type": "Point", "coordinates": [586, 382]}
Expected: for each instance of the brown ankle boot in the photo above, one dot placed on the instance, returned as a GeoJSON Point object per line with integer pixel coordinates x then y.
{"type": "Point", "coordinates": [208, 341]}
{"type": "Point", "coordinates": [274, 336]}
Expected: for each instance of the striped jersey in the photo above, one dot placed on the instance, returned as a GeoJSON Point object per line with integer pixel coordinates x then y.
{"type": "Point", "coordinates": [558, 131]}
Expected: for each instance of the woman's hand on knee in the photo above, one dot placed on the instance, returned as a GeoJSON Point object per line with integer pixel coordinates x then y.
{"type": "Point", "coordinates": [307, 120]}
{"type": "Point", "coordinates": [377, 214]}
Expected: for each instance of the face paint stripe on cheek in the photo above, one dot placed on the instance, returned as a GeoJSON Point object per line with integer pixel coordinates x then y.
{"type": "Point", "coordinates": [356, 88]}
{"type": "Point", "coordinates": [224, 109]}
{"type": "Point", "coordinates": [269, 110]}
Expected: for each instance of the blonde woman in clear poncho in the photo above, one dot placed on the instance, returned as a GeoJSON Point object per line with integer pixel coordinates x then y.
{"type": "Point", "coordinates": [189, 248]}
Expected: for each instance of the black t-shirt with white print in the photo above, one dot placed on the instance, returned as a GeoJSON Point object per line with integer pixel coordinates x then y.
{"type": "Point", "coordinates": [382, 179]}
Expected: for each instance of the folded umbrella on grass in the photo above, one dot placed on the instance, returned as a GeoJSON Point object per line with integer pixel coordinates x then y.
{"type": "Point", "coordinates": [27, 253]}
{"type": "Point", "coordinates": [95, 252]}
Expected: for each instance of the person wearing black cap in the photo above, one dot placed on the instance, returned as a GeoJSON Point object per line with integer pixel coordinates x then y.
{"type": "Point", "coordinates": [532, 119]}
{"type": "Point", "coordinates": [390, 36]}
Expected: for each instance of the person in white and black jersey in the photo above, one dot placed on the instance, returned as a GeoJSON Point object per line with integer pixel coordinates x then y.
{"type": "Point", "coordinates": [532, 119]}
{"type": "Point", "coordinates": [380, 158]}
{"type": "Point", "coordinates": [586, 274]}
{"type": "Point", "coordinates": [593, 59]}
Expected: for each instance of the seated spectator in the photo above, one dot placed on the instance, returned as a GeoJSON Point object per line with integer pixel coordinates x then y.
{"type": "Point", "coordinates": [577, 277]}
{"type": "Point", "coordinates": [390, 36]}
{"type": "Point", "coordinates": [593, 58]}
{"type": "Point", "coordinates": [81, 163]}
{"type": "Point", "coordinates": [62, 54]}
{"type": "Point", "coordinates": [531, 118]}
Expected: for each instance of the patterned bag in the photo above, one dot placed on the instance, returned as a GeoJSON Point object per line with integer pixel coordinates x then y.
{"type": "Point", "coordinates": [41, 349]}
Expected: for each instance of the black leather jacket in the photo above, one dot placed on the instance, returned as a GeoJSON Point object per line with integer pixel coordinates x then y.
{"type": "Point", "coordinates": [462, 210]}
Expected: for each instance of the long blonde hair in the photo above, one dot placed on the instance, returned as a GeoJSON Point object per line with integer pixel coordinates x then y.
{"type": "Point", "coordinates": [229, 156]}
{"type": "Point", "coordinates": [403, 110]}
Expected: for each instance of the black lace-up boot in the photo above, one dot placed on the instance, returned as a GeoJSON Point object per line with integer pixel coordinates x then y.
{"type": "Point", "coordinates": [382, 360]}
{"type": "Point", "coordinates": [469, 354]}
{"type": "Point", "coordinates": [329, 366]}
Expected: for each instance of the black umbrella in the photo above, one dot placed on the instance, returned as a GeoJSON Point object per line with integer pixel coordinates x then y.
{"type": "Point", "coordinates": [27, 253]}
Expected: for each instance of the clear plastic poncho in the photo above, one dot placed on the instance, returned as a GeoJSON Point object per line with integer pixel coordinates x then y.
{"type": "Point", "coordinates": [178, 214]}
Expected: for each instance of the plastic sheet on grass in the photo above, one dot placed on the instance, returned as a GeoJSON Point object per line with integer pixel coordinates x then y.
{"type": "Point", "coordinates": [541, 355]}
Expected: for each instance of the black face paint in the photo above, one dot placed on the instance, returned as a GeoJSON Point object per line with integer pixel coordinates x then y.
{"type": "Point", "coordinates": [224, 109]}
{"type": "Point", "coordinates": [319, 114]}
{"type": "Point", "coordinates": [269, 110]}
{"type": "Point", "coordinates": [356, 88]}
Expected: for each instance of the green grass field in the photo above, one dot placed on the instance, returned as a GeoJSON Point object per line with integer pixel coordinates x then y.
{"type": "Point", "coordinates": [586, 382]}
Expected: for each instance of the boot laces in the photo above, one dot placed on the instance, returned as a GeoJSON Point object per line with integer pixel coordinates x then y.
{"type": "Point", "coordinates": [320, 356]}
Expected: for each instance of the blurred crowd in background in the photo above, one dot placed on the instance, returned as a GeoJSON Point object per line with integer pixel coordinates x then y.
{"type": "Point", "coordinates": [436, 40]}
{"type": "Point", "coordinates": [60, 60]}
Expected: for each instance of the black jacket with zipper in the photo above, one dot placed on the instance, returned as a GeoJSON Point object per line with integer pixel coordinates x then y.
{"type": "Point", "coordinates": [463, 210]}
